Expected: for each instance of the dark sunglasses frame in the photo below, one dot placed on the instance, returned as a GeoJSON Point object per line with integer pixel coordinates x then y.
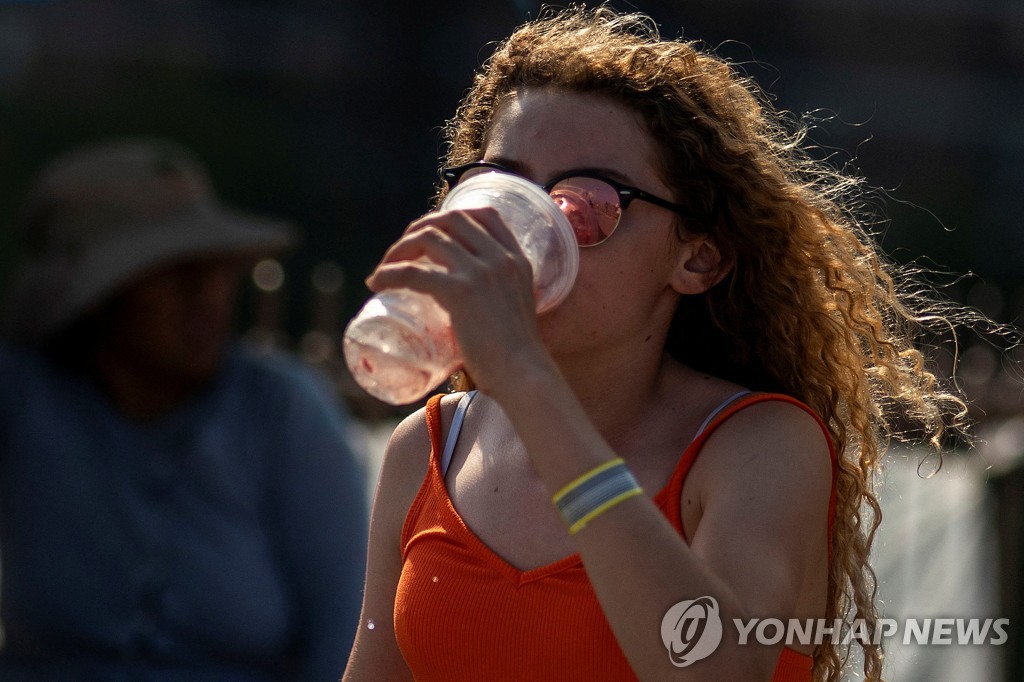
{"type": "Point", "coordinates": [626, 193]}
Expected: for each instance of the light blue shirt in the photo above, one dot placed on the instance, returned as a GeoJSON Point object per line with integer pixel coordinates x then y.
{"type": "Point", "coordinates": [226, 541]}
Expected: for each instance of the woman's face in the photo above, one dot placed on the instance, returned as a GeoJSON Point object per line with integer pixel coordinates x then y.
{"type": "Point", "coordinates": [622, 292]}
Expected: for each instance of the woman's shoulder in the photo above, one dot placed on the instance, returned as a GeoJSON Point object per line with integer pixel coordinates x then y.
{"type": "Point", "coordinates": [407, 454]}
{"type": "Point", "coordinates": [775, 415]}
{"type": "Point", "coordinates": [768, 433]}
{"type": "Point", "coordinates": [754, 417]}
{"type": "Point", "coordinates": [763, 481]}
{"type": "Point", "coordinates": [412, 437]}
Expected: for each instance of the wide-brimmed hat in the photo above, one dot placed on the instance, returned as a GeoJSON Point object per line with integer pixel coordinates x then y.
{"type": "Point", "coordinates": [105, 213]}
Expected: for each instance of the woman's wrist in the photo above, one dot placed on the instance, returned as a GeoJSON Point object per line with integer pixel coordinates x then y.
{"type": "Point", "coordinates": [523, 374]}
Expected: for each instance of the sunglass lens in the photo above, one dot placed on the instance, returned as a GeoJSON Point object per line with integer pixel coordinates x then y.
{"type": "Point", "coordinates": [592, 207]}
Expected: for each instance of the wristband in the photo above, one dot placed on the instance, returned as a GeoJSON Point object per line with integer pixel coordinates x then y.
{"type": "Point", "coordinates": [594, 493]}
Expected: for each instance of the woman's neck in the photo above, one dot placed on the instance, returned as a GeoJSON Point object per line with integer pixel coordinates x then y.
{"type": "Point", "coordinates": [618, 389]}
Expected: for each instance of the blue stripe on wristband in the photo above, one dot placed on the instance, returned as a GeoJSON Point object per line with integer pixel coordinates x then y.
{"type": "Point", "coordinates": [594, 493]}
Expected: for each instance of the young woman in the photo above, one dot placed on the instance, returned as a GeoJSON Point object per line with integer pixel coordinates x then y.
{"type": "Point", "coordinates": [733, 338]}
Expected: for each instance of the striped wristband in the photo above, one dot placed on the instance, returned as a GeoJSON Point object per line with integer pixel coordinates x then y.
{"type": "Point", "coordinates": [594, 493]}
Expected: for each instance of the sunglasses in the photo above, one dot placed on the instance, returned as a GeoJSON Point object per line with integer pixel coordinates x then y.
{"type": "Point", "coordinates": [592, 202]}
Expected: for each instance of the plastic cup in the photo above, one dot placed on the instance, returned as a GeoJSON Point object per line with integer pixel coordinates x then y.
{"type": "Point", "coordinates": [400, 345]}
{"type": "Point", "coordinates": [539, 226]}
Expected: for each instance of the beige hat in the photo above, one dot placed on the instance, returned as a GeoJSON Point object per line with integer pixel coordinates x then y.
{"type": "Point", "coordinates": [104, 213]}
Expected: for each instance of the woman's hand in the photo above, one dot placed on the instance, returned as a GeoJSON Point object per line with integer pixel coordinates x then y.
{"type": "Point", "coordinates": [470, 263]}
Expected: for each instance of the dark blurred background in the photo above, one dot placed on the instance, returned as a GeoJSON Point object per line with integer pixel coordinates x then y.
{"type": "Point", "coordinates": [329, 114]}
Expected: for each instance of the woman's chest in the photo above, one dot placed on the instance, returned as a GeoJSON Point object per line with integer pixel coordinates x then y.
{"type": "Point", "coordinates": [506, 505]}
{"type": "Point", "coordinates": [508, 508]}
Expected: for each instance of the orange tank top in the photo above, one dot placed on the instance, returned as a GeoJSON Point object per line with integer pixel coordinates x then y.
{"type": "Point", "coordinates": [464, 613]}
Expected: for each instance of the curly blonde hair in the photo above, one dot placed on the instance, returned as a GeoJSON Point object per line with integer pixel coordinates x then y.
{"type": "Point", "coordinates": [810, 308]}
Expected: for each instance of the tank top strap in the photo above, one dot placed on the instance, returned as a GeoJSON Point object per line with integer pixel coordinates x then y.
{"type": "Point", "coordinates": [434, 424]}
{"type": "Point", "coordinates": [454, 430]}
{"type": "Point", "coordinates": [714, 413]}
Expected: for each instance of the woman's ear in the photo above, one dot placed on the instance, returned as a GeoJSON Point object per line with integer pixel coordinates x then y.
{"type": "Point", "coordinates": [700, 266]}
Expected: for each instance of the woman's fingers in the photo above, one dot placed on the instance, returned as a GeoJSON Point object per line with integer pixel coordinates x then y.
{"type": "Point", "coordinates": [471, 241]}
{"type": "Point", "coordinates": [495, 226]}
{"type": "Point", "coordinates": [427, 242]}
{"type": "Point", "coordinates": [469, 262]}
{"type": "Point", "coordinates": [415, 275]}
{"type": "Point", "coordinates": [480, 230]}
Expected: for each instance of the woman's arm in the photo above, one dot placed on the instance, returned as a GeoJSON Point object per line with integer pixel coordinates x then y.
{"type": "Point", "coordinates": [375, 655]}
{"type": "Point", "coordinates": [764, 498]}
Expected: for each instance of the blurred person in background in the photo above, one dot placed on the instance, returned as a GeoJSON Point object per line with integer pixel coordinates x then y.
{"type": "Point", "coordinates": [173, 505]}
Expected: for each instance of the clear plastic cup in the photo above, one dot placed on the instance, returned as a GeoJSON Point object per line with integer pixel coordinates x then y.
{"type": "Point", "coordinates": [400, 345]}
{"type": "Point", "coordinates": [539, 226]}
